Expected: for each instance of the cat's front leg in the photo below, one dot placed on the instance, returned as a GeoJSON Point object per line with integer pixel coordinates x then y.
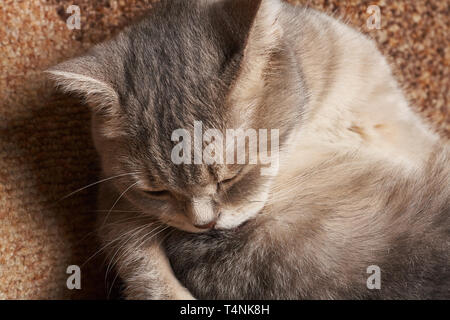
{"type": "Point", "coordinates": [133, 246]}
{"type": "Point", "coordinates": [147, 275]}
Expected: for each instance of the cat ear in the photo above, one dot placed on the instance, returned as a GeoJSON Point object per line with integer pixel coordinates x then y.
{"type": "Point", "coordinates": [85, 77]}
{"type": "Point", "coordinates": [258, 21]}
{"type": "Point", "coordinates": [262, 41]}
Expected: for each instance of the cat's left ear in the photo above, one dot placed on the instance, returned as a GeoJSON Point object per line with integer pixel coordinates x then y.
{"type": "Point", "coordinates": [86, 77]}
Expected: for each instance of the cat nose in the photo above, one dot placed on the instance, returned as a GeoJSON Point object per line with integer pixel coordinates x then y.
{"type": "Point", "coordinates": [201, 213]}
{"type": "Point", "coordinates": [210, 225]}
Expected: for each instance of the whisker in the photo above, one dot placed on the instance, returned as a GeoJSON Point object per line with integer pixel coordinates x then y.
{"type": "Point", "coordinates": [128, 219]}
{"type": "Point", "coordinates": [120, 211]}
{"type": "Point", "coordinates": [111, 264]}
{"type": "Point", "coordinates": [124, 239]}
{"type": "Point", "coordinates": [139, 218]}
{"type": "Point", "coordinates": [144, 239]}
{"type": "Point", "coordinates": [167, 235]}
{"type": "Point", "coordinates": [118, 199]}
{"type": "Point", "coordinates": [110, 243]}
{"type": "Point", "coordinates": [147, 237]}
{"type": "Point", "coordinates": [96, 183]}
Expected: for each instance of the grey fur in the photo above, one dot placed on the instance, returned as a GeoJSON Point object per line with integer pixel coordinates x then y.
{"type": "Point", "coordinates": [331, 212]}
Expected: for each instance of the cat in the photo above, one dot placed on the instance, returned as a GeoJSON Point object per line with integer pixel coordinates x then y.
{"type": "Point", "coordinates": [361, 180]}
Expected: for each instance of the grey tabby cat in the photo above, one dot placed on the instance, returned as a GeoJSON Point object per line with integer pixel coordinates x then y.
{"type": "Point", "coordinates": [361, 179]}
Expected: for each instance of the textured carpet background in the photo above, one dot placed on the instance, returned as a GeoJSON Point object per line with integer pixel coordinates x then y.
{"type": "Point", "coordinates": [45, 146]}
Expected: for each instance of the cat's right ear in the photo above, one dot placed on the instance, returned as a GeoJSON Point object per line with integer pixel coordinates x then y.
{"type": "Point", "coordinates": [85, 77]}
{"type": "Point", "coordinates": [257, 21]}
{"type": "Point", "coordinates": [256, 26]}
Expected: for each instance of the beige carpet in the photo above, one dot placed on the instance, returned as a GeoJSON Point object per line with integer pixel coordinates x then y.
{"type": "Point", "coordinates": [45, 146]}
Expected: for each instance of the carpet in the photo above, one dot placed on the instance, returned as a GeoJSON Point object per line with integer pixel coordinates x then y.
{"type": "Point", "coordinates": [45, 147]}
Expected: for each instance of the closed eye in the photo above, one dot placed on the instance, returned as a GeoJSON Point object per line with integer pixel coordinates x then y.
{"type": "Point", "coordinates": [227, 181]}
{"type": "Point", "coordinates": [157, 194]}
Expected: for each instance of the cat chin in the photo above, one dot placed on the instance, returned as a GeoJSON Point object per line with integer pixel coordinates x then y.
{"type": "Point", "coordinates": [230, 220]}
{"type": "Point", "coordinates": [186, 227]}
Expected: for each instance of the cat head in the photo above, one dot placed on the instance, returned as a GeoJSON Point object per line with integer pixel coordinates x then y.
{"type": "Point", "coordinates": [219, 64]}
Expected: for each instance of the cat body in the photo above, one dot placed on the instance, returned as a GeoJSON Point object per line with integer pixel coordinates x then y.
{"type": "Point", "coordinates": [362, 182]}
